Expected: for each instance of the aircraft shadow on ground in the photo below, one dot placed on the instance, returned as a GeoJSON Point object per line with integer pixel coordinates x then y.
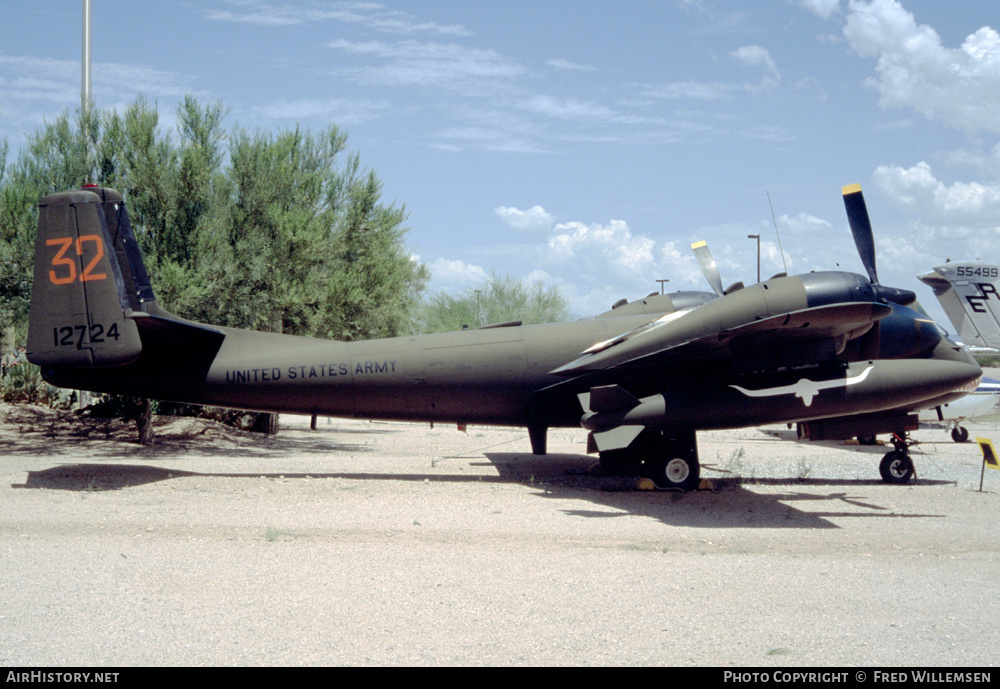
{"type": "Point", "coordinates": [731, 503]}
{"type": "Point", "coordinates": [106, 477]}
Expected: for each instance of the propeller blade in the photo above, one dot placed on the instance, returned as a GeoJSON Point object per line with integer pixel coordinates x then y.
{"type": "Point", "coordinates": [864, 239]}
{"type": "Point", "coordinates": [708, 266]}
{"type": "Point", "coordinates": [861, 228]}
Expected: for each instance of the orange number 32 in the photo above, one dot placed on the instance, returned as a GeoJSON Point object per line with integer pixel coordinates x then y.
{"type": "Point", "coordinates": [60, 260]}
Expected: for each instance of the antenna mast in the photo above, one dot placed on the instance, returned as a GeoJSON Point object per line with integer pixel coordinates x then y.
{"type": "Point", "coordinates": [774, 220]}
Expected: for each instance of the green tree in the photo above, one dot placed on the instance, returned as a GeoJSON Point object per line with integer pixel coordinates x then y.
{"type": "Point", "coordinates": [498, 300]}
{"type": "Point", "coordinates": [282, 231]}
{"type": "Point", "coordinates": [60, 155]}
{"type": "Point", "coordinates": [302, 244]}
{"type": "Point", "coordinates": [376, 288]}
{"type": "Point", "coordinates": [199, 180]}
{"type": "Point", "coordinates": [201, 155]}
{"type": "Point", "coordinates": [18, 221]}
{"type": "Point", "coordinates": [141, 162]}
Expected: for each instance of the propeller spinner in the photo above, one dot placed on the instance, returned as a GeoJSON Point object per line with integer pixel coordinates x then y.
{"type": "Point", "coordinates": [864, 239]}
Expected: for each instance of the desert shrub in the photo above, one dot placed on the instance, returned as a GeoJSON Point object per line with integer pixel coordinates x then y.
{"type": "Point", "coordinates": [23, 382]}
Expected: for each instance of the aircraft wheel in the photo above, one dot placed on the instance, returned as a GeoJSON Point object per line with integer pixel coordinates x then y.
{"type": "Point", "coordinates": [896, 467]}
{"type": "Point", "coordinates": [621, 462]}
{"type": "Point", "coordinates": [867, 439]}
{"type": "Point", "coordinates": [680, 473]}
{"type": "Point", "coordinates": [960, 434]}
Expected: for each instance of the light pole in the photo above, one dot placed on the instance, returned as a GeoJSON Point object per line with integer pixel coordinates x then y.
{"type": "Point", "coordinates": [86, 91]}
{"type": "Point", "coordinates": [661, 284]}
{"type": "Point", "coordinates": [757, 237]}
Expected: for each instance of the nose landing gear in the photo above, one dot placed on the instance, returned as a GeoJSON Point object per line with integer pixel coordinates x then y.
{"type": "Point", "coordinates": [960, 434]}
{"type": "Point", "coordinates": [897, 466]}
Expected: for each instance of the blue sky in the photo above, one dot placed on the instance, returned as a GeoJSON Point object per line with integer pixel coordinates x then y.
{"type": "Point", "coordinates": [587, 144]}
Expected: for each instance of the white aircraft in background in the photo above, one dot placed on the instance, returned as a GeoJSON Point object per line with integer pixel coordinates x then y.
{"type": "Point", "coordinates": [968, 292]}
{"type": "Point", "coordinates": [979, 402]}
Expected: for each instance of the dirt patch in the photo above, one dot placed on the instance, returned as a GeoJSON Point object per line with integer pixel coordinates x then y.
{"type": "Point", "coordinates": [24, 426]}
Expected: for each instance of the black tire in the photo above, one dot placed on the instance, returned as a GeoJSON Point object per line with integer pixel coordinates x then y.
{"type": "Point", "coordinates": [867, 439]}
{"type": "Point", "coordinates": [959, 434]}
{"type": "Point", "coordinates": [896, 467]}
{"type": "Point", "coordinates": [677, 473]}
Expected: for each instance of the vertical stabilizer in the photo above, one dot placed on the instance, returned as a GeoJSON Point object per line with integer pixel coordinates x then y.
{"type": "Point", "coordinates": [968, 292]}
{"type": "Point", "coordinates": [83, 295]}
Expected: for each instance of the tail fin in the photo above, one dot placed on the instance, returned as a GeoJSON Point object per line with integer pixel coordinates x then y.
{"type": "Point", "coordinates": [89, 282]}
{"type": "Point", "coordinates": [968, 292]}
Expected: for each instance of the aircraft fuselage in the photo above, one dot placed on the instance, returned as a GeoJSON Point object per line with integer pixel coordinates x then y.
{"type": "Point", "coordinates": [502, 375]}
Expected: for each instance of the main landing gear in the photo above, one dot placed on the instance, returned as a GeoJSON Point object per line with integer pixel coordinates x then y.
{"type": "Point", "coordinates": [670, 459]}
{"type": "Point", "coordinates": [896, 466]}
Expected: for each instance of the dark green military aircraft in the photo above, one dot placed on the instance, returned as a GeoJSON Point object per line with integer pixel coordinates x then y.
{"type": "Point", "coordinates": [838, 353]}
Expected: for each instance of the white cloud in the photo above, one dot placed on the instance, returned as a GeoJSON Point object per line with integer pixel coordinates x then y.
{"type": "Point", "coordinates": [981, 161]}
{"type": "Point", "coordinates": [47, 79]}
{"type": "Point", "coordinates": [958, 86]}
{"type": "Point", "coordinates": [821, 8]}
{"type": "Point", "coordinates": [918, 189]}
{"type": "Point", "coordinates": [35, 89]}
{"type": "Point", "coordinates": [562, 63]}
{"type": "Point", "coordinates": [341, 111]}
{"type": "Point", "coordinates": [416, 63]}
{"type": "Point", "coordinates": [768, 132]}
{"type": "Point", "coordinates": [567, 109]}
{"type": "Point", "coordinates": [536, 219]}
{"type": "Point", "coordinates": [630, 254]}
{"type": "Point", "coordinates": [448, 275]}
{"type": "Point", "coordinates": [592, 264]}
{"type": "Point", "coordinates": [693, 90]}
{"type": "Point", "coordinates": [370, 15]}
{"type": "Point", "coordinates": [756, 56]}
{"type": "Point", "coordinates": [803, 222]}
{"type": "Point", "coordinates": [680, 266]}
{"type": "Point", "coordinates": [537, 275]}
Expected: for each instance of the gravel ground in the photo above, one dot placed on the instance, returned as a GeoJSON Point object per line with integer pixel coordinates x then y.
{"type": "Point", "coordinates": [367, 543]}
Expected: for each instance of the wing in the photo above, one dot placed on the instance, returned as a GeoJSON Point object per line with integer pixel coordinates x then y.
{"type": "Point", "coordinates": [724, 331]}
